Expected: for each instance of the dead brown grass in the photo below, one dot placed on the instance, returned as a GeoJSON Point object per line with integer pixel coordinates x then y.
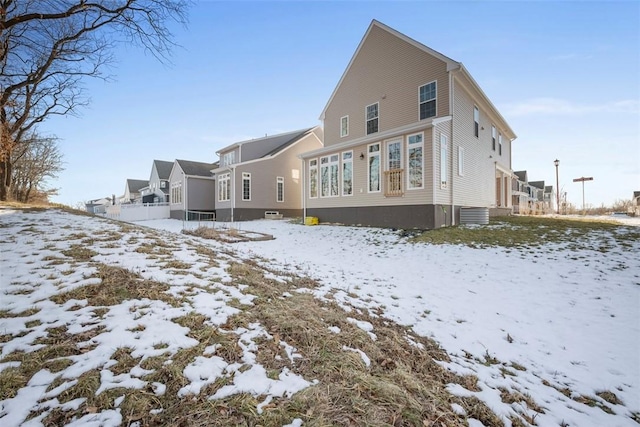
{"type": "Point", "coordinates": [229, 235]}
{"type": "Point", "coordinates": [117, 285]}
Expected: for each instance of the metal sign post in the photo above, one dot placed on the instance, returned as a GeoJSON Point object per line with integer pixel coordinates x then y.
{"type": "Point", "coordinates": [583, 179]}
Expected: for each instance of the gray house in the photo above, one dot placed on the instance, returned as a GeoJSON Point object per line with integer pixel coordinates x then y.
{"type": "Point", "coordinates": [158, 188]}
{"type": "Point", "coordinates": [410, 138]}
{"type": "Point", "coordinates": [132, 190]}
{"type": "Point", "coordinates": [263, 175]}
{"type": "Point", "coordinates": [192, 190]}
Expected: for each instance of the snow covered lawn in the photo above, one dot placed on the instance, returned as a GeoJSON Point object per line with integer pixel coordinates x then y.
{"type": "Point", "coordinates": [104, 323]}
{"type": "Point", "coordinates": [558, 324]}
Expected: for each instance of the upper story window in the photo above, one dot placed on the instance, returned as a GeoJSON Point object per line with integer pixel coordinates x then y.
{"type": "Point", "coordinates": [428, 101]}
{"type": "Point", "coordinates": [476, 121]}
{"type": "Point", "coordinates": [344, 126]}
{"type": "Point", "coordinates": [228, 159]}
{"type": "Point", "coordinates": [493, 138]}
{"type": "Point", "coordinates": [500, 144]}
{"type": "Point", "coordinates": [372, 118]}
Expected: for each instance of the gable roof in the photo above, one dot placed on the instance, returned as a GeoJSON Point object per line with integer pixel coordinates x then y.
{"type": "Point", "coordinates": [522, 175]}
{"type": "Point", "coordinates": [163, 168]}
{"type": "Point", "coordinates": [196, 168]}
{"type": "Point", "coordinates": [268, 145]}
{"type": "Point", "coordinates": [537, 184]}
{"type": "Point", "coordinates": [451, 64]}
{"type": "Point", "coordinates": [135, 185]}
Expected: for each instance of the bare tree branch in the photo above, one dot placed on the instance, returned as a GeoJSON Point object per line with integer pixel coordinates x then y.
{"type": "Point", "coordinates": [47, 49]}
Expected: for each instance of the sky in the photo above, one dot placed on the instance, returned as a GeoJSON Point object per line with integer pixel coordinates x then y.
{"type": "Point", "coordinates": [572, 321]}
{"type": "Point", "coordinates": [565, 75]}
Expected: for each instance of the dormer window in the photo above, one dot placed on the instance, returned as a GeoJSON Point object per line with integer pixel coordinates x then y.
{"type": "Point", "coordinates": [228, 158]}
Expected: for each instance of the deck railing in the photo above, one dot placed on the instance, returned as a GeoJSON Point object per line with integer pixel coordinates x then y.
{"type": "Point", "coordinates": [393, 180]}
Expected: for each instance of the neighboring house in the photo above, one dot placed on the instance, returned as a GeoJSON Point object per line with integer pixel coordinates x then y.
{"type": "Point", "coordinates": [409, 140]}
{"type": "Point", "coordinates": [635, 205]}
{"type": "Point", "coordinates": [192, 190]}
{"type": "Point", "coordinates": [531, 198]}
{"type": "Point", "coordinates": [263, 175]}
{"type": "Point", "coordinates": [540, 199]}
{"type": "Point", "coordinates": [520, 193]}
{"type": "Point", "coordinates": [99, 206]}
{"type": "Point", "coordinates": [158, 189]}
{"type": "Point", "coordinates": [132, 190]}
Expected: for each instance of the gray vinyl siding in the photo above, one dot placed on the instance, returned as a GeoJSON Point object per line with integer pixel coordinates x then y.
{"type": "Point", "coordinates": [387, 70]}
{"type": "Point", "coordinates": [201, 193]}
{"type": "Point", "coordinates": [176, 176]}
{"type": "Point", "coordinates": [361, 195]}
{"type": "Point", "coordinates": [477, 187]}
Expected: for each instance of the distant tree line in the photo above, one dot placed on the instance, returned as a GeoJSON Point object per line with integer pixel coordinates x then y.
{"type": "Point", "coordinates": [47, 49]}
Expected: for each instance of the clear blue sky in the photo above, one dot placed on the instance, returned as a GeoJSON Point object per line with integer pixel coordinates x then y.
{"type": "Point", "coordinates": [565, 75]}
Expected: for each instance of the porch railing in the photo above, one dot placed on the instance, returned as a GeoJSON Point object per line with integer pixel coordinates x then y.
{"type": "Point", "coordinates": [393, 180]}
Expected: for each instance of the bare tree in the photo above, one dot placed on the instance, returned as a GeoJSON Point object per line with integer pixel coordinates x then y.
{"type": "Point", "coordinates": [48, 47]}
{"type": "Point", "coordinates": [34, 163]}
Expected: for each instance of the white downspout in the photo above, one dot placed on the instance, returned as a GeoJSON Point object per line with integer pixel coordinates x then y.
{"type": "Point", "coordinates": [453, 174]}
{"type": "Point", "coordinates": [304, 191]}
{"type": "Point", "coordinates": [185, 201]}
{"type": "Point", "coordinates": [233, 188]}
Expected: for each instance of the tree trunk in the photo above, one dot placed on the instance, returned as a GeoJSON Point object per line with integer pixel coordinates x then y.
{"type": "Point", "coordinates": [5, 179]}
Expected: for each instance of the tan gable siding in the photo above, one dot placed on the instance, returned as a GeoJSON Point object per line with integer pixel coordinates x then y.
{"type": "Point", "coordinates": [361, 196]}
{"type": "Point", "coordinates": [389, 71]}
{"type": "Point", "coordinates": [477, 186]}
{"type": "Point", "coordinates": [443, 194]}
{"type": "Point", "coordinates": [265, 172]}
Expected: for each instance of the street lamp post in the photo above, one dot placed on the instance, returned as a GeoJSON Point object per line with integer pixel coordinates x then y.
{"type": "Point", "coordinates": [557, 162]}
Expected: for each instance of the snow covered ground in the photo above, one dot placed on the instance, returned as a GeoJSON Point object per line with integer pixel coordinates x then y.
{"type": "Point", "coordinates": [560, 325]}
{"type": "Point", "coordinates": [563, 324]}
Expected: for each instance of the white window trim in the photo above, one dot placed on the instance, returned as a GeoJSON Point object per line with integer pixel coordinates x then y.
{"type": "Point", "coordinates": [335, 163]}
{"type": "Point", "coordinates": [409, 146]}
{"type": "Point", "coordinates": [279, 180]}
{"type": "Point", "coordinates": [460, 161]}
{"type": "Point", "coordinates": [246, 176]}
{"type": "Point", "coordinates": [347, 132]}
{"type": "Point", "coordinates": [379, 154]}
{"type": "Point", "coordinates": [224, 181]}
{"type": "Point", "coordinates": [436, 99]}
{"type": "Point", "coordinates": [316, 167]}
{"type": "Point", "coordinates": [341, 173]}
{"type": "Point", "coordinates": [366, 118]}
{"type": "Point", "coordinates": [320, 166]}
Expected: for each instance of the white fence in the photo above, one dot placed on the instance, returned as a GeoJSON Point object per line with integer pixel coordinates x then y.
{"type": "Point", "coordinates": [138, 211]}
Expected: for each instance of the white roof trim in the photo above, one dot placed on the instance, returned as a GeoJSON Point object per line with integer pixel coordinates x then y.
{"type": "Point", "coordinates": [261, 159]}
{"type": "Point", "coordinates": [379, 136]}
{"type": "Point", "coordinates": [238, 144]}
